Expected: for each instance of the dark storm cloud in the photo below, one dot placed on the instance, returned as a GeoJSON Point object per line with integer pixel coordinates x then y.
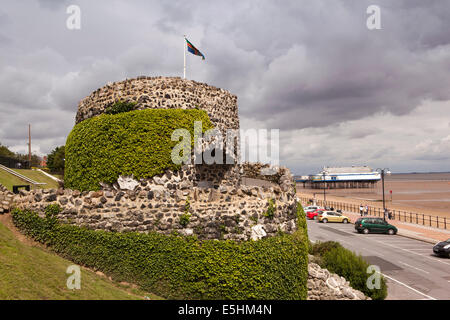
{"type": "Point", "coordinates": [294, 65]}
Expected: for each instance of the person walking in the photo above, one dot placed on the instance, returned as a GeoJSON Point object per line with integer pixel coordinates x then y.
{"type": "Point", "coordinates": [361, 209]}
{"type": "Point", "coordinates": [366, 213]}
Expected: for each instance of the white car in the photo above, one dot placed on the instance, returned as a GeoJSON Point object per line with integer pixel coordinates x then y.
{"type": "Point", "coordinates": [311, 209]}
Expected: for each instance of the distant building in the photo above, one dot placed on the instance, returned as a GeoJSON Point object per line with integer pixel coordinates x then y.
{"type": "Point", "coordinates": [341, 178]}
{"type": "Point", "coordinates": [43, 162]}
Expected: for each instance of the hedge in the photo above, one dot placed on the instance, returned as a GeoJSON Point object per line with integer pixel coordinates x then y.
{"type": "Point", "coordinates": [136, 143]}
{"type": "Point", "coordinates": [178, 267]}
{"type": "Point", "coordinates": [337, 259]}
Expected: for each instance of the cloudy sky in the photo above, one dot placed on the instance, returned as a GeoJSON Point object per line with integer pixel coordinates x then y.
{"type": "Point", "coordinates": [341, 94]}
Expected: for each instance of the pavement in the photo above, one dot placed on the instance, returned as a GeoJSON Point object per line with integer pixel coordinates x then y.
{"type": "Point", "coordinates": [411, 270]}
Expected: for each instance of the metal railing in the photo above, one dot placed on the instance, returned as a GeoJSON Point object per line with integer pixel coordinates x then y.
{"type": "Point", "coordinates": [396, 215]}
{"type": "Point", "coordinates": [20, 176]}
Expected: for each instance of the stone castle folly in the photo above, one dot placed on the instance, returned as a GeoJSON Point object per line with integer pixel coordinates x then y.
{"type": "Point", "coordinates": [208, 201]}
{"type": "Point", "coordinates": [173, 93]}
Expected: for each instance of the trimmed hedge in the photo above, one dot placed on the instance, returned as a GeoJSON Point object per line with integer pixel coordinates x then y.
{"type": "Point", "coordinates": [337, 259]}
{"type": "Point", "coordinates": [136, 143]}
{"type": "Point", "coordinates": [177, 267]}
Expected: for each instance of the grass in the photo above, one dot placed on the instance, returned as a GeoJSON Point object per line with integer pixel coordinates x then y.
{"type": "Point", "coordinates": [8, 180]}
{"type": "Point", "coordinates": [39, 177]}
{"type": "Point", "coordinates": [29, 272]}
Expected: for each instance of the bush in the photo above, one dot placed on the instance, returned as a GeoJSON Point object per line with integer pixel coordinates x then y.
{"type": "Point", "coordinates": [120, 107]}
{"type": "Point", "coordinates": [136, 143]}
{"type": "Point", "coordinates": [320, 248]}
{"type": "Point", "coordinates": [271, 210]}
{"type": "Point", "coordinates": [177, 267]}
{"type": "Point", "coordinates": [337, 259]}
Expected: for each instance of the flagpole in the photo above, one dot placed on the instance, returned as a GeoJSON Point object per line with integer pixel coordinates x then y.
{"type": "Point", "coordinates": [184, 50]}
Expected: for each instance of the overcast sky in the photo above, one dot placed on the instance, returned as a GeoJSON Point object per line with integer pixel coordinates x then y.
{"type": "Point", "coordinates": [340, 94]}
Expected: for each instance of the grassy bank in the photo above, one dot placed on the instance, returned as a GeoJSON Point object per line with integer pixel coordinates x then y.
{"type": "Point", "coordinates": [9, 180]}
{"type": "Point", "coordinates": [31, 272]}
{"type": "Point", "coordinates": [39, 177]}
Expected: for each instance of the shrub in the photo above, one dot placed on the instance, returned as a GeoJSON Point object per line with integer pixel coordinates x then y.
{"type": "Point", "coordinates": [177, 267]}
{"type": "Point", "coordinates": [186, 216]}
{"type": "Point", "coordinates": [120, 107]}
{"type": "Point", "coordinates": [320, 248]}
{"type": "Point", "coordinates": [271, 210]}
{"type": "Point", "coordinates": [337, 259]}
{"type": "Point", "coordinates": [136, 143]}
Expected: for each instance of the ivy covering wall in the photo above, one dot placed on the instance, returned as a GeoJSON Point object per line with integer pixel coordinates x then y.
{"type": "Point", "coordinates": [178, 267]}
{"type": "Point", "coordinates": [136, 143]}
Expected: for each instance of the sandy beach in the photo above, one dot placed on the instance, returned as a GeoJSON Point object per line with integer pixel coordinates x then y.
{"type": "Point", "coordinates": [427, 193]}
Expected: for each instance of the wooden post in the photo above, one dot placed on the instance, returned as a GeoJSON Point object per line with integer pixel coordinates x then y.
{"type": "Point", "coordinates": [29, 146]}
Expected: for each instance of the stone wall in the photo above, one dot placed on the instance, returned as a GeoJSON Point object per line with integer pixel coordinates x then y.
{"type": "Point", "coordinates": [323, 285]}
{"type": "Point", "coordinates": [6, 198]}
{"type": "Point", "coordinates": [223, 213]}
{"type": "Point", "coordinates": [165, 93]}
{"type": "Point", "coordinates": [275, 174]}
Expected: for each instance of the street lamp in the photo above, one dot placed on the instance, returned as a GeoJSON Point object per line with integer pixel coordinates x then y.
{"type": "Point", "coordinates": [324, 188]}
{"type": "Point", "coordinates": [383, 172]}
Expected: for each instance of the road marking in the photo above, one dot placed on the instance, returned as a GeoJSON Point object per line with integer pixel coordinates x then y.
{"type": "Point", "coordinates": [404, 284]}
{"type": "Point", "coordinates": [413, 267]}
{"type": "Point", "coordinates": [437, 260]}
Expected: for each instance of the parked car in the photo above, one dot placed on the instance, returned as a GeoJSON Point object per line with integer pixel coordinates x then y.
{"type": "Point", "coordinates": [442, 248]}
{"type": "Point", "coordinates": [314, 215]}
{"type": "Point", "coordinates": [332, 216]}
{"type": "Point", "coordinates": [374, 225]}
{"type": "Point", "coordinates": [311, 208]}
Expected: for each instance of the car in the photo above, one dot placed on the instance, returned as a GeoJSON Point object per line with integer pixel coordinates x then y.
{"type": "Point", "coordinates": [314, 215]}
{"type": "Point", "coordinates": [333, 216]}
{"type": "Point", "coordinates": [311, 208]}
{"type": "Point", "coordinates": [442, 248]}
{"type": "Point", "coordinates": [374, 225]}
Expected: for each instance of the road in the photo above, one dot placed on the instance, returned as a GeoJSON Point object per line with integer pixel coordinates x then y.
{"type": "Point", "coordinates": [410, 268]}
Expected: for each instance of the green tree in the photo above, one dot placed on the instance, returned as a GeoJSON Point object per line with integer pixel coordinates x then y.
{"type": "Point", "coordinates": [55, 160]}
{"type": "Point", "coordinates": [4, 151]}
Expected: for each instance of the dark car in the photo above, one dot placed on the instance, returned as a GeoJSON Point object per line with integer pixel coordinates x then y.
{"type": "Point", "coordinates": [374, 225]}
{"type": "Point", "coordinates": [442, 248]}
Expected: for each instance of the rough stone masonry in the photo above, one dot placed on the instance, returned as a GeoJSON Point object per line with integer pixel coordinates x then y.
{"type": "Point", "coordinates": [204, 200]}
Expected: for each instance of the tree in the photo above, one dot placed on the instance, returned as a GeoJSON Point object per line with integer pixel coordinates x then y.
{"type": "Point", "coordinates": [55, 160]}
{"type": "Point", "coordinates": [4, 151]}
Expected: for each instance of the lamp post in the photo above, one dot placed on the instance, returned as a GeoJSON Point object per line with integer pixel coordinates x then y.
{"type": "Point", "coordinates": [383, 172]}
{"type": "Point", "coordinates": [324, 188]}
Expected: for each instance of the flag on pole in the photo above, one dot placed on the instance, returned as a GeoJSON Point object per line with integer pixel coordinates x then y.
{"type": "Point", "coordinates": [194, 50]}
